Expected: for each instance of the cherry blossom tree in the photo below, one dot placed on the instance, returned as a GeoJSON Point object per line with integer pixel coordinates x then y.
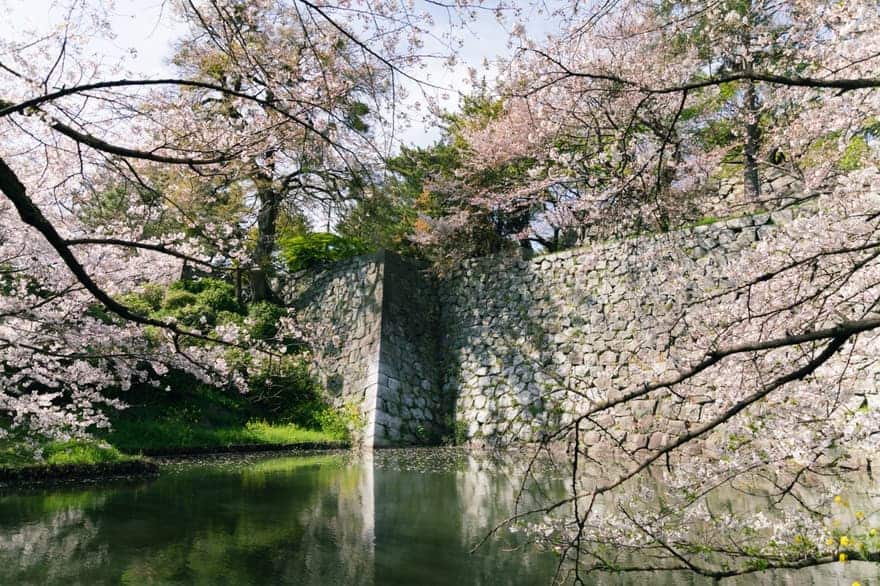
{"type": "Point", "coordinates": [267, 105]}
{"type": "Point", "coordinates": [626, 122]}
{"type": "Point", "coordinates": [616, 108]}
{"type": "Point", "coordinates": [610, 115]}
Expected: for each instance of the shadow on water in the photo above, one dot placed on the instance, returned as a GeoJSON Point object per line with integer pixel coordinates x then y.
{"type": "Point", "coordinates": [392, 517]}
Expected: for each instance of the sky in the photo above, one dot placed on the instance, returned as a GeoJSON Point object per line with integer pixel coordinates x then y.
{"type": "Point", "coordinates": [144, 26]}
{"type": "Point", "coordinates": [145, 32]}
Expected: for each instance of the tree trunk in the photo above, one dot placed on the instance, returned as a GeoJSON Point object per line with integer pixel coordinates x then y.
{"type": "Point", "coordinates": [239, 298]}
{"type": "Point", "coordinates": [751, 175]}
{"type": "Point", "coordinates": [267, 220]}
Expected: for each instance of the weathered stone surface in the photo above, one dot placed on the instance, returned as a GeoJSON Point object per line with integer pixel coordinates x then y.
{"type": "Point", "coordinates": [512, 349]}
{"type": "Point", "coordinates": [374, 324]}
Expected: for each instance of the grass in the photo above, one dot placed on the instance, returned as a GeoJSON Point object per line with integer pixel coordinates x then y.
{"type": "Point", "coordinates": [138, 435]}
{"type": "Point", "coordinates": [14, 453]}
{"type": "Point", "coordinates": [197, 418]}
{"type": "Point", "coordinates": [82, 452]}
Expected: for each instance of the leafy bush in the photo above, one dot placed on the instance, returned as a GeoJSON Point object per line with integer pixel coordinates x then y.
{"type": "Point", "coordinates": [136, 303]}
{"type": "Point", "coordinates": [14, 451]}
{"type": "Point", "coordinates": [195, 315]}
{"type": "Point", "coordinates": [152, 295]}
{"type": "Point", "coordinates": [81, 452]}
{"type": "Point", "coordinates": [311, 250]}
{"type": "Point", "coordinates": [194, 303]}
{"type": "Point", "coordinates": [285, 391]}
{"type": "Point", "coordinates": [229, 317]}
{"type": "Point", "coordinates": [338, 423]}
{"type": "Point", "coordinates": [217, 294]}
{"type": "Point", "coordinates": [281, 389]}
{"type": "Point", "coordinates": [176, 298]}
{"type": "Point", "coordinates": [263, 319]}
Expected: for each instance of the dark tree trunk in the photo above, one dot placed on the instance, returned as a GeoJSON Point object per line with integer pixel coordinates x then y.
{"type": "Point", "coordinates": [751, 175]}
{"type": "Point", "coordinates": [267, 221]}
{"type": "Point", "coordinates": [239, 298]}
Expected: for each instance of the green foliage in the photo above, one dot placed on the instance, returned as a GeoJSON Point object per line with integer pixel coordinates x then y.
{"type": "Point", "coordinates": [112, 205]}
{"type": "Point", "coordinates": [214, 293]}
{"type": "Point", "coordinates": [81, 452]}
{"type": "Point", "coordinates": [166, 434]}
{"type": "Point", "coordinates": [152, 295]}
{"type": "Point", "coordinates": [263, 319]}
{"type": "Point", "coordinates": [288, 225]}
{"type": "Point", "coordinates": [705, 221]}
{"type": "Point", "coordinates": [476, 111]}
{"type": "Point", "coordinates": [384, 220]}
{"type": "Point", "coordinates": [198, 415]}
{"type": "Point", "coordinates": [339, 423]}
{"type": "Point", "coordinates": [16, 452]}
{"type": "Point", "coordinates": [99, 312]}
{"type": "Point", "coordinates": [281, 390]}
{"type": "Point", "coordinates": [458, 430]}
{"type": "Point", "coordinates": [716, 134]}
{"type": "Point", "coordinates": [230, 317]}
{"type": "Point", "coordinates": [284, 390]}
{"type": "Point", "coordinates": [176, 298]}
{"type": "Point", "coordinates": [194, 303]}
{"type": "Point", "coordinates": [855, 154]}
{"type": "Point", "coordinates": [315, 249]}
{"type": "Point", "coordinates": [136, 304]}
{"type": "Point", "coordinates": [355, 116]}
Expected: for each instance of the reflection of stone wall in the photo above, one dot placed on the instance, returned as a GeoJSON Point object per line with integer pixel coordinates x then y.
{"type": "Point", "coordinates": [373, 325]}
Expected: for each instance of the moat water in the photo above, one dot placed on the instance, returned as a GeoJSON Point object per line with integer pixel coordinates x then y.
{"type": "Point", "coordinates": [395, 517]}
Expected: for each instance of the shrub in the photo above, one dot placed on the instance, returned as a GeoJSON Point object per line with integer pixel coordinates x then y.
{"type": "Point", "coordinates": [152, 295]}
{"type": "Point", "coordinates": [263, 319]}
{"type": "Point", "coordinates": [81, 452]}
{"type": "Point", "coordinates": [229, 317]}
{"type": "Point", "coordinates": [176, 298]}
{"type": "Point", "coordinates": [196, 315]}
{"type": "Point", "coordinates": [285, 390]}
{"type": "Point", "coordinates": [311, 250]}
{"type": "Point", "coordinates": [218, 295]}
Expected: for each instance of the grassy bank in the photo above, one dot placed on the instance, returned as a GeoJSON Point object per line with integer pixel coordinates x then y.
{"type": "Point", "coordinates": [173, 436]}
{"type": "Point", "coordinates": [119, 453]}
{"type": "Point", "coordinates": [188, 417]}
{"type": "Point", "coordinates": [14, 452]}
{"type": "Point", "coordinates": [26, 462]}
{"type": "Point", "coordinates": [198, 417]}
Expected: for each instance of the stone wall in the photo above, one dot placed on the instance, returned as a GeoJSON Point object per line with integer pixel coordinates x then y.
{"type": "Point", "coordinates": [341, 310]}
{"type": "Point", "coordinates": [503, 351]}
{"type": "Point", "coordinates": [372, 321]}
{"type": "Point", "coordinates": [524, 340]}
{"type": "Point", "coordinates": [411, 407]}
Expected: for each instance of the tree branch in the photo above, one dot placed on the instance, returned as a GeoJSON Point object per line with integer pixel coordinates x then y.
{"type": "Point", "coordinates": [31, 215]}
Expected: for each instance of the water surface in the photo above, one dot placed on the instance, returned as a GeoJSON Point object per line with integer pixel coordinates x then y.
{"type": "Point", "coordinates": [396, 517]}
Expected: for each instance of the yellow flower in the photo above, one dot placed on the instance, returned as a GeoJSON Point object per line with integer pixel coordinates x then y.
{"type": "Point", "coordinates": [872, 532]}
{"type": "Point", "coordinates": [860, 515]}
{"type": "Point", "coordinates": [856, 583]}
{"type": "Point", "coordinates": [829, 541]}
{"type": "Point", "coordinates": [838, 499]}
{"type": "Point", "coordinates": [844, 541]}
{"type": "Point", "coordinates": [842, 557]}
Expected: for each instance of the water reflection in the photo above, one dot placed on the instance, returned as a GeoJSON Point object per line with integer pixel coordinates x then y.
{"type": "Point", "coordinates": [393, 517]}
